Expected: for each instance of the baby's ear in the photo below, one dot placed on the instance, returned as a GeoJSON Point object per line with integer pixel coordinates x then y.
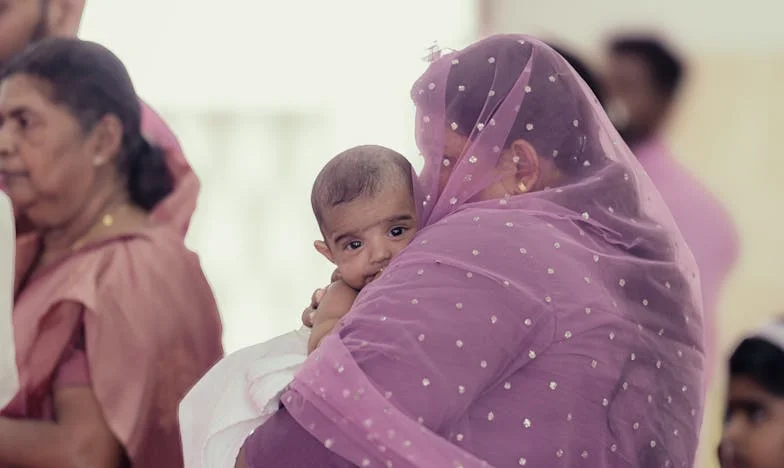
{"type": "Point", "coordinates": [323, 249]}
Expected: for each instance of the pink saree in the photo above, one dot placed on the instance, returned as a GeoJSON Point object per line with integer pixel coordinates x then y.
{"type": "Point", "coordinates": [132, 317]}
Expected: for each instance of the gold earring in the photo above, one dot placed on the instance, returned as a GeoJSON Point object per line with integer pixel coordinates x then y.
{"type": "Point", "coordinates": [521, 187]}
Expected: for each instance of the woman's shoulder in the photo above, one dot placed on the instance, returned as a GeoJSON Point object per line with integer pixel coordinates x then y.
{"type": "Point", "coordinates": [137, 275]}
{"type": "Point", "coordinates": [153, 281]}
{"type": "Point", "coordinates": [494, 219]}
{"type": "Point", "coordinates": [151, 258]}
{"type": "Point", "coordinates": [485, 230]}
{"type": "Point", "coordinates": [155, 251]}
{"type": "Point", "coordinates": [152, 247]}
{"type": "Point", "coordinates": [506, 247]}
{"type": "Point", "coordinates": [154, 238]}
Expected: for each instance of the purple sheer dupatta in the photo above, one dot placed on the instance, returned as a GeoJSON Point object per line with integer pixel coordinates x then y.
{"type": "Point", "coordinates": [558, 327]}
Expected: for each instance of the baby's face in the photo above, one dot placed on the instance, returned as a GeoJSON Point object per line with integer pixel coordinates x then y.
{"type": "Point", "coordinates": [365, 234]}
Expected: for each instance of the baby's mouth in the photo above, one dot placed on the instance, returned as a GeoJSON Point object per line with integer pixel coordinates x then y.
{"type": "Point", "coordinates": [376, 275]}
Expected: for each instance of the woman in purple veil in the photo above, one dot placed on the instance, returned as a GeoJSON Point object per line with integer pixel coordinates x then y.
{"type": "Point", "coordinates": [547, 313]}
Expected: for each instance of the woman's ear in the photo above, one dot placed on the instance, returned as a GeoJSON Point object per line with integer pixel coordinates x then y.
{"type": "Point", "coordinates": [526, 164]}
{"type": "Point", "coordinates": [105, 139]}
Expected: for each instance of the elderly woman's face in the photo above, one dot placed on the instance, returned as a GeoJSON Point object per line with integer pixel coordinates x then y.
{"type": "Point", "coordinates": [45, 160]}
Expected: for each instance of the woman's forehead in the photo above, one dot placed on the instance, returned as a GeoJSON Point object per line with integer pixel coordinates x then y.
{"type": "Point", "coordinates": [23, 92]}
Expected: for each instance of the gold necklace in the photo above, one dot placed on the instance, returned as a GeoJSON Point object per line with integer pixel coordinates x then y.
{"type": "Point", "coordinates": [106, 221]}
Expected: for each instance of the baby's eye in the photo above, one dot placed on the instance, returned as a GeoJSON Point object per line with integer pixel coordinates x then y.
{"type": "Point", "coordinates": [353, 245]}
{"type": "Point", "coordinates": [397, 231]}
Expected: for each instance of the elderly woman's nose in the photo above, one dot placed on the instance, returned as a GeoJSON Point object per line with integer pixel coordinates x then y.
{"type": "Point", "coordinates": [7, 141]}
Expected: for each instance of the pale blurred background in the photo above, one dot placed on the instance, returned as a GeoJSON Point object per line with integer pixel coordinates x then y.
{"type": "Point", "coordinates": [262, 93]}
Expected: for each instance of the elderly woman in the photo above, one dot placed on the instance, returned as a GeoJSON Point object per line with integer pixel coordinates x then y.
{"type": "Point", "coordinates": [545, 315]}
{"type": "Point", "coordinates": [23, 23]}
{"type": "Point", "coordinates": [113, 317]}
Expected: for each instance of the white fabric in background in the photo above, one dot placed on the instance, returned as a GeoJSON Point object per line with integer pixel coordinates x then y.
{"type": "Point", "coordinates": [9, 377]}
{"type": "Point", "coordinates": [235, 397]}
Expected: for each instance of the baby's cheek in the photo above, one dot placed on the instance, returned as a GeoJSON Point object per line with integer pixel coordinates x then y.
{"type": "Point", "coordinates": [354, 279]}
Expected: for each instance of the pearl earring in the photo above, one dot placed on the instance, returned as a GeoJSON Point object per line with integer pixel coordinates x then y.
{"type": "Point", "coordinates": [97, 161]}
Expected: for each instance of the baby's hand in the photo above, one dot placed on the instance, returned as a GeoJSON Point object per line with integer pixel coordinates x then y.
{"type": "Point", "coordinates": [335, 302]}
{"type": "Point", "coordinates": [336, 276]}
{"type": "Point", "coordinates": [310, 311]}
{"type": "Point", "coordinates": [319, 332]}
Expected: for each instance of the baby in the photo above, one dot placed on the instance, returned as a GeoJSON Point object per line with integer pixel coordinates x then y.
{"type": "Point", "coordinates": [363, 201]}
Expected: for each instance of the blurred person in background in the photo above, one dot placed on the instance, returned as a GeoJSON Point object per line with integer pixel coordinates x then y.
{"type": "Point", "coordinates": [24, 22]}
{"type": "Point", "coordinates": [643, 80]}
{"type": "Point", "coordinates": [753, 434]}
{"type": "Point", "coordinates": [114, 320]}
{"type": "Point", "coordinates": [582, 69]}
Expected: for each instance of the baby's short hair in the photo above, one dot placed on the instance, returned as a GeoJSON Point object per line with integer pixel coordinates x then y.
{"type": "Point", "coordinates": [359, 171]}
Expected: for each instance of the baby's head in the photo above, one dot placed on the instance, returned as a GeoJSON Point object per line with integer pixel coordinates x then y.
{"type": "Point", "coordinates": [363, 201]}
{"type": "Point", "coordinates": [754, 426]}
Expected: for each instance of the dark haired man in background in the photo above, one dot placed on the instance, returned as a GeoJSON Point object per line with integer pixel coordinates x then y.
{"type": "Point", "coordinates": [582, 69]}
{"type": "Point", "coordinates": [643, 80]}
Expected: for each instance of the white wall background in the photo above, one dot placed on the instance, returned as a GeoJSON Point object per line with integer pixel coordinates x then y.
{"type": "Point", "coordinates": [261, 94]}
{"type": "Point", "coordinates": [699, 26]}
